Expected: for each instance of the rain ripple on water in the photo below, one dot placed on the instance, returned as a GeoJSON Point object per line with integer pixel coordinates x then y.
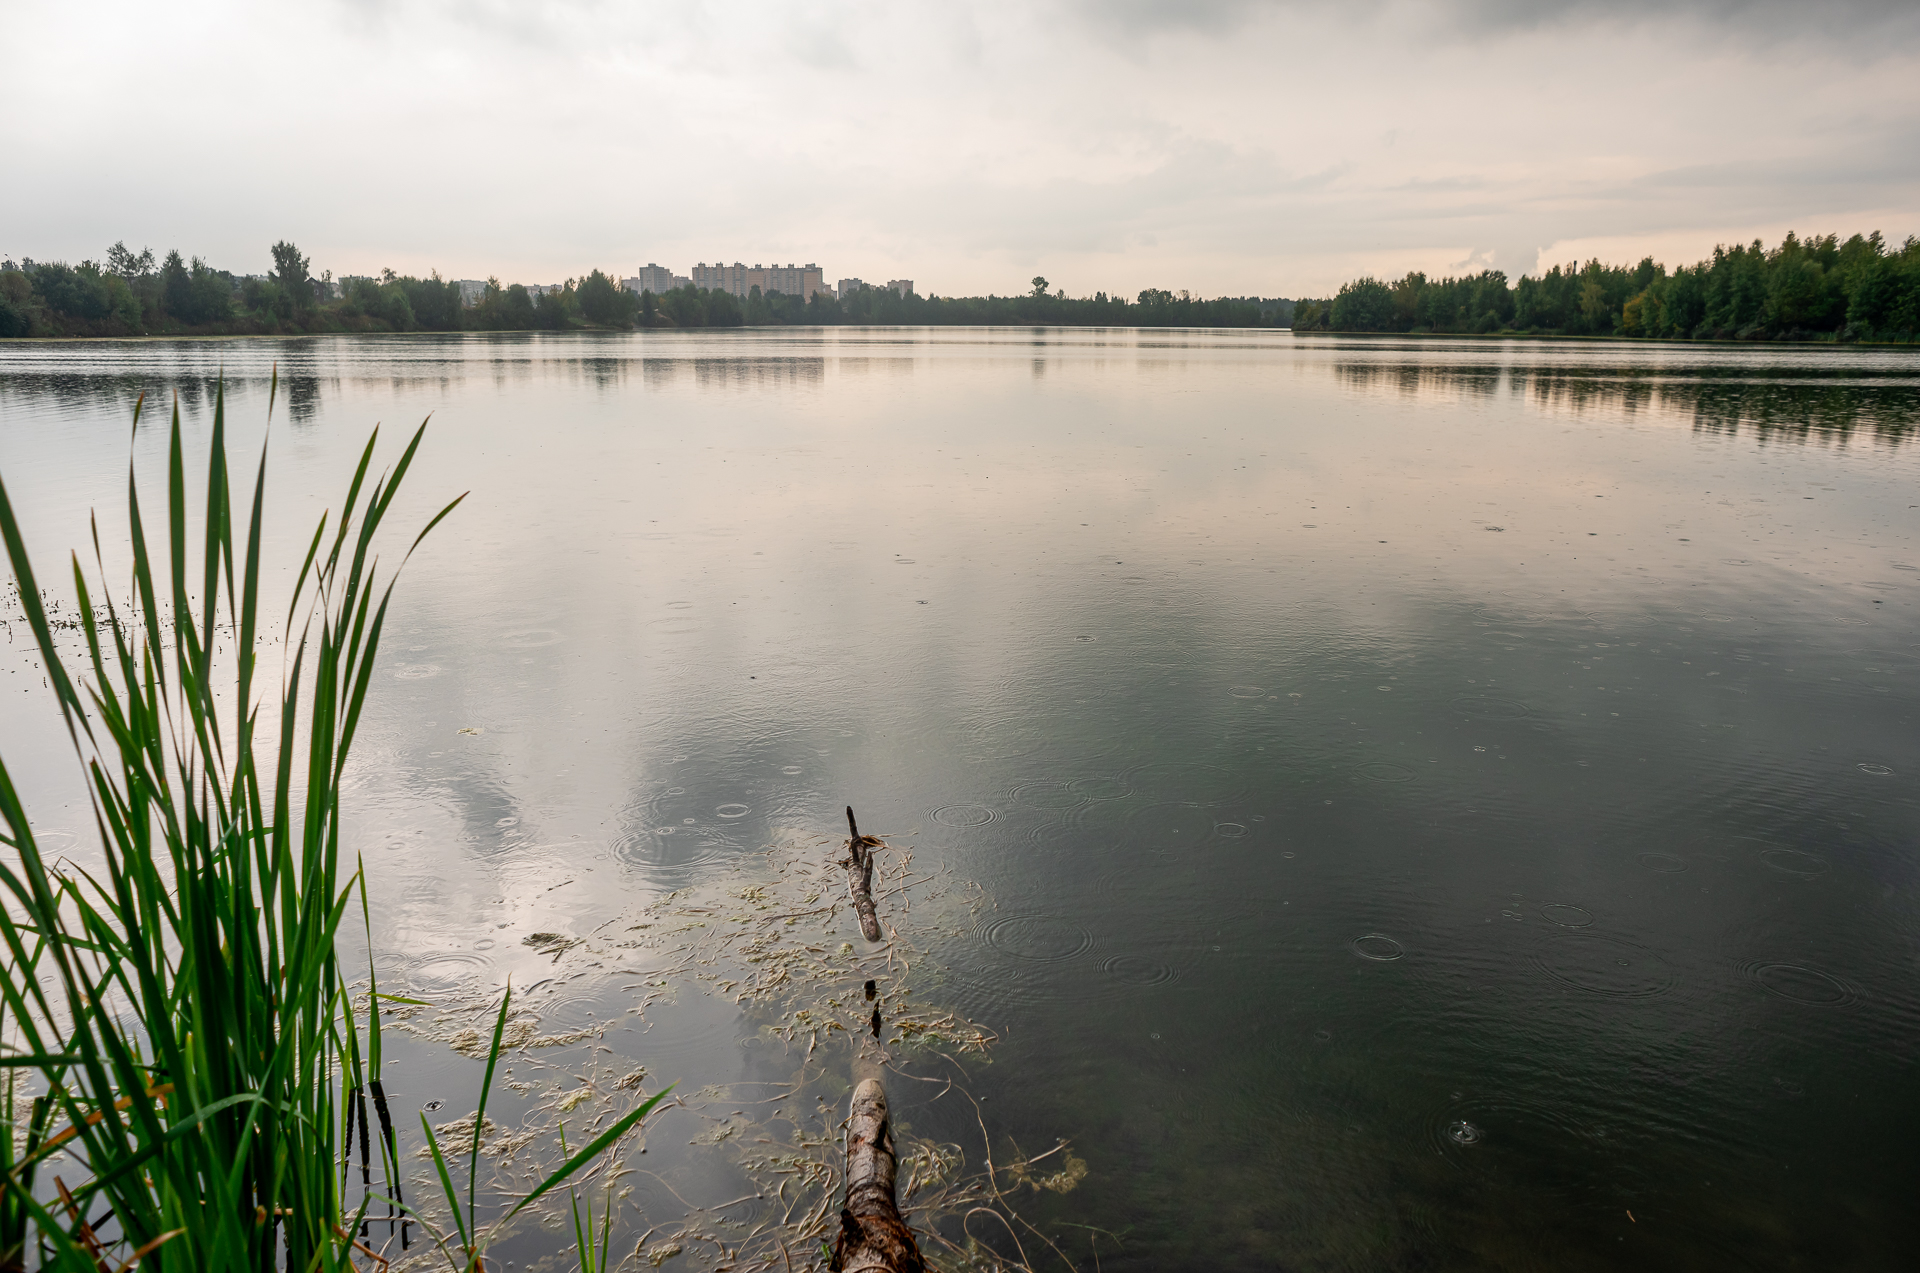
{"type": "Point", "coordinates": [1604, 965]}
{"type": "Point", "coordinates": [1802, 984]}
{"type": "Point", "coordinates": [1377, 946]}
{"type": "Point", "coordinates": [1384, 771]}
{"type": "Point", "coordinates": [1794, 862]}
{"type": "Point", "coordinates": [963, 815]}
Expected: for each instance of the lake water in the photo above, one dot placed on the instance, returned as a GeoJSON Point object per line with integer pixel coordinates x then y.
{"type": "Point", "coordinates": [1440, 805]}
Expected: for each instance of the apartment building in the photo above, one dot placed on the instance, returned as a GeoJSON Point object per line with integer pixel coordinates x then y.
{"type": "Point", "coordinates": [848, 286]}
{"type": "Point", "coordinates": [656, 279]}
{"type": "Point", "coordinates": [739, 279]}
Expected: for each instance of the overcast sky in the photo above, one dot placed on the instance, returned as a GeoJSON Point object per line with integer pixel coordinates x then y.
{"type": "Point", "coordinates": [1266, 147]}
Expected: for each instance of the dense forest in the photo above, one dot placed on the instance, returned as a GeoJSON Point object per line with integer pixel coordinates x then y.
{"type": "Point", "coordinates": [129, 295]}
{"type": "Point", "coordinates": [1804, 289]}
{"type": "Point", "coordinates": [880, 306]}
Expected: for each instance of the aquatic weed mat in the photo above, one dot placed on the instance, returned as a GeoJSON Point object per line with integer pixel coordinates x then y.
{"type": "Point", "coordinates": [771, 940]}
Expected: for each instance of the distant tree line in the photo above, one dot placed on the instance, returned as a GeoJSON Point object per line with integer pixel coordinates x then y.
{"type": "Point", "coordinates": [1803, 289]}
{"type": "Point", "coordinates": [129, 295]}
{"type": "Point", "coordinates": [884, 306]}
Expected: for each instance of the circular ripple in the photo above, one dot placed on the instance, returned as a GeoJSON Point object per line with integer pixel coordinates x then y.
{"type": "Point", "coordinates": [1229, 830]}
{"type": "Point", "coordinates": [1384, 771]}
{"type": "Point", "coordinates": [1102, 788]}
{"type": "Point", "coordinates": [1566, 915]}
{"type": "Point", "coordinates": [1878, 771]}
{"type": "Point", "coordinates": [1138, 970]}
{"type": "Point", "coordinates": [1054, 796]}
{"type": "Point", "coordinates": [1803, 984]}
{"type": "Point", "coordinates": [531, 638]}
{"type": "Point", "coordinates": [963, 815]}
{"type": "Point", "coordinates": [1664, 863]}
{"type": "Point", "coordinates": [1794, 862]}
{"type": "Point", "coordinates": [674, 850]}
{"type": "Point", "coordinates": [1248, 691]}
{"type": "Point", "coordinates": [1608, 966]}
{"type": "Point", "coordinates": [1484, 707]}
{"type": "Point", "coordinates": [416, 671]}
{"type": "Point", "coordinates": [1045, 939]}
{"type": "Point", "coordinates": [1551, 1130]}
{"type": "Point", "coordinates": [731, 811]}
{"type": "Point", "coordinates": [1377, 947]}
{"type": "Point", "coordinates": [448, 970]}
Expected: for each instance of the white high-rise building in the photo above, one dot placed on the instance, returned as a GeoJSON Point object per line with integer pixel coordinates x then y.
{"type": "Point", "coordinates": [653, 278]}
{"type": "Point", "coordinates": [740, 279]}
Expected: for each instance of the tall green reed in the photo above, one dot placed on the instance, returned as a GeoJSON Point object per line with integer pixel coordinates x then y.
{"type": "Point", "coordinates": [181, 1009]}
{"type": "Point", "coordinates": [465, 1248]}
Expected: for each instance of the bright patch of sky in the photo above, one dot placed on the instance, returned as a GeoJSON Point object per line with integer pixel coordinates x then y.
{"type": "Point", "coordinates": [1267, 147]}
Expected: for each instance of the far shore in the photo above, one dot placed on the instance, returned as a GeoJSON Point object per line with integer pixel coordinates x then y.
{"type": "Point", "coordinates": [1552, 337]}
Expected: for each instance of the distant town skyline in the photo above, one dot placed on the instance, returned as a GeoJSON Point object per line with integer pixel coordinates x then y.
{"type": "Point", "coordinates": [1271, 147]}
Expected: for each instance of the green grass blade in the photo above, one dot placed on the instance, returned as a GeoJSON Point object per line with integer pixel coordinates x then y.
{"type": "Point", "coordinates": [446, 1182]}
{"type": "Point", "coordinates": [600, 1142]}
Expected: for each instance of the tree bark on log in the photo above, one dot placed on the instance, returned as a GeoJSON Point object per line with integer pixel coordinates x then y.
{"type": "Point", "coordinates": [872, 1234]}
{"type": "Point", "coordinates": [860, 877]}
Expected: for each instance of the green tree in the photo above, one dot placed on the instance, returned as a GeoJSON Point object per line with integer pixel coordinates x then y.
{"type": "Point", "coordinates": [723, 309]}
{"type": "Point", "coordinates": [16, 296]}
{"type": "Point", "coordinates": [516, 309]}
{"type": "Point", "coordinates": [129, 265]}
{"type": "Point", "coordinates": [557, 308]}
{"type": "Point", "coordinates": [1039, 286]}
{"type": "Point", "coordinates": [604, 302]}
{"type": "Point", "coordinates": [1364, 305]}
{"type": "Point", "coordinates": [176, 286]}
{"type": "Point", "coordinates": [290, 272]}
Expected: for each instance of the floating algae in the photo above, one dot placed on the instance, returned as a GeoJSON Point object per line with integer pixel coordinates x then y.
{"type": "Point", "coordinates": [766, 932]}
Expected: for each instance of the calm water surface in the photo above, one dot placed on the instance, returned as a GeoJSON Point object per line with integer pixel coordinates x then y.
{"type": "Point", "coordinates": [1427, 805]}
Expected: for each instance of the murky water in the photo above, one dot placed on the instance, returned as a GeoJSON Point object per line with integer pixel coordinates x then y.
{"type": "Point", "coordinates": [1397, 804]}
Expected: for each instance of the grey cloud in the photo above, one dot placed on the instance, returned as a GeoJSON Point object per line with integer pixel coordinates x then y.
{"type": "Point", "coordinates": [1767, 15]}
{"type": "Point", "coordinates": [1215, 144]}
{"type": "Point", "coordinates": [1145, 16]}
{"type": "Point", "coordinates": [1863, 23]}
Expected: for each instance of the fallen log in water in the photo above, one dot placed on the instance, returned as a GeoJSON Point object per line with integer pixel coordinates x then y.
{"type": "Point", "coordinates": [872, 1234]}
{"type": "Point", "coordinates": [860, 877]}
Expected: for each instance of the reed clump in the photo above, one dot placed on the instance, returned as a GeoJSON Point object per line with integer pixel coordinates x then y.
{"type": "Point", "coordinates": [178, 1047]}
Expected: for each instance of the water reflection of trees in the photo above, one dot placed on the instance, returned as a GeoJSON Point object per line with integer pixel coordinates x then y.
{"type": "Point", "coordinates": [1783, 404]}
{"type": "Point", "coordinates": [114, 392]}
{"type": "Point", "coordinates": [302, 391]}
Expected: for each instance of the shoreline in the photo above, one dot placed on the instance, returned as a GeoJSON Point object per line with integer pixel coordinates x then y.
{"type": "Point", "coordinates": [1668, 342]}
